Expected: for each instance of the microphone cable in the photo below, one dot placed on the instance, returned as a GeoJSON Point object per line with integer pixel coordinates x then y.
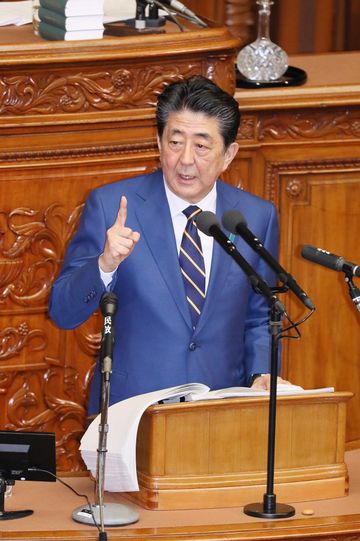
{"type": "Point", "coordinates": [73, 490]}
{"type": "Point", "coordinates": [295, 325]}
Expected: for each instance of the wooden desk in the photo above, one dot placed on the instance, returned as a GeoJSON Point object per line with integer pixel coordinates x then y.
{"type": "Point", "coordinates": [213, 454]}
{"type": "Point", "coordinates": [338, 520]}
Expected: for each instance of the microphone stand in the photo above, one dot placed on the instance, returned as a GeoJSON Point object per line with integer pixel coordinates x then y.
{"type": "Point", "coordinates": [111, 514]}
{"type": "Point", "coordinates": [268, 508]}
{"type": "Point", "coordinates": [354, 291]}
{"type": "Point", "coordinates": [207, 223]}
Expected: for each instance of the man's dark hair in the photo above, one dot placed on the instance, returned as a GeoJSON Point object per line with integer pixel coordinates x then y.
{"type": "Point", "coordinates": [200, 95]}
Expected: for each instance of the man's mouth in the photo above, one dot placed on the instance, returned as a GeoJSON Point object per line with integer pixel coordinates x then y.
{"type": "Point", "coordinates": [186, 177]}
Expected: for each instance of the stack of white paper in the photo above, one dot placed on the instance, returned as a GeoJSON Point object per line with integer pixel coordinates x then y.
{"type": "Point", "coordinates": [234, 392]}
{"type": "Point", "coordinates": [17, 13]}
{"type": "Point", "coordinates": [123, 421]}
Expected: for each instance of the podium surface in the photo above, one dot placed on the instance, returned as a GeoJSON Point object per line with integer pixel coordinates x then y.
{"type": "Point", "coordinates": [336, 519]}
{"type": "Point", "coordinates": [213, 453]}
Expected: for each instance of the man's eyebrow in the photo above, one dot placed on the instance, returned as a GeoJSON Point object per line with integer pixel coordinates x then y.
{"type": "Point", "coordinates": [204, 135]}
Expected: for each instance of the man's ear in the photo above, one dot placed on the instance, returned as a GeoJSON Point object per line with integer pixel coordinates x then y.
{"type": "Point", "coordinates": [158, 142]}
{"type": "Point", "coordinates": [230, 154]}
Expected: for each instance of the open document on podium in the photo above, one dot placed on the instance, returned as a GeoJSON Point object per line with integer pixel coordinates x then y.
{"type": "Point", "coordinates": [124, 418]}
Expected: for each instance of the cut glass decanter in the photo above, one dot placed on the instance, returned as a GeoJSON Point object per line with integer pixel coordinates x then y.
{"type": "Point", "coordinates": [262, 60]}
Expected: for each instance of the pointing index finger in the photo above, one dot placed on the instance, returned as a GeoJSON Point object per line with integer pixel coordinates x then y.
{"type": "Point", "coordinates": [122, 213]}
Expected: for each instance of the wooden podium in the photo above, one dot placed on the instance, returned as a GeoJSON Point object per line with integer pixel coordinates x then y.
{"type": "Point", "coordinates": [213, 454]}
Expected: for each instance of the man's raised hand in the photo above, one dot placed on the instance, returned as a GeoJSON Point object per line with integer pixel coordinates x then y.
{"type": "Point", "coordinates": [120, 241]}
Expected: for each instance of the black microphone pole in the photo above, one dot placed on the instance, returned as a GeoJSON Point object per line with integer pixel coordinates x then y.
{"type": "Point", "coordinates": [269, 508]}
{"type": "Point", "coordinates": [101, 514]}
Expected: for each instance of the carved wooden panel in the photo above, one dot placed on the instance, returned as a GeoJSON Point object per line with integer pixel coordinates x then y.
{"type": "Point", "coordinates": [307, 125]}
{"type": "Point", "coordinates": [321, 206]}
{"type": "Point", "coordinates": [45, 372]}
{"type": "Point", "coordinates": [88, 89]}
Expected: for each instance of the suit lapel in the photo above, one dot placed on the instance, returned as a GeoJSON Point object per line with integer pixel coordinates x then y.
{"type": "Point", "coordinates": [154, 217]}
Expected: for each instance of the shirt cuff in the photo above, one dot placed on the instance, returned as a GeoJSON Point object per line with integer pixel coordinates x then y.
{"type": "Point", "coordinates": [106, 276]}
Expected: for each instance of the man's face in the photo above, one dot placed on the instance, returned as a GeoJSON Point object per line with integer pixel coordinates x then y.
{"type": "Point", "coordinates": [192, 154]}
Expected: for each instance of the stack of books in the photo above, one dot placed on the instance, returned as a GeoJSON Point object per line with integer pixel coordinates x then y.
{"type": "Point", "coordinates": [71, 19]}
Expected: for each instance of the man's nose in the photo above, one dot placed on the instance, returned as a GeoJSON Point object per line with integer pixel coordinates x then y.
{"type": "Point", "coordinates": [187, 155]}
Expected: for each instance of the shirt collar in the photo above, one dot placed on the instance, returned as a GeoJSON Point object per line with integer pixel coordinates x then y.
{"type": "Point", "coordinates": [177, 205]}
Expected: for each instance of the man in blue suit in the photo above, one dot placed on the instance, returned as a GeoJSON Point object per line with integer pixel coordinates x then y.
{"type": "Point", "coordinates": [128, 241]}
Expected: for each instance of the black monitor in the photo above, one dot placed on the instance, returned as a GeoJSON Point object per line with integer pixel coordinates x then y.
{"type": "Point", "coordinates": [25, 456]}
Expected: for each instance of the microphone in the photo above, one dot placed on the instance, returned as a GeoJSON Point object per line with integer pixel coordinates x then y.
{"type": "Point", "coordinates": [327, 259]}
{"type": "Point", "coordinates": [235, 222]}
{"type": "Point", "coordinates": [108, 306]}
{"type": "Point", "coordinates": [207, 223]}
{"type": "Point", "coordinates": [180, 8]}
{"type": "Point", "coordinates": [103, 514]}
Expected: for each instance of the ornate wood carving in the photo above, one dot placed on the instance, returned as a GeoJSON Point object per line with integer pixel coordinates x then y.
{"type": "Point", "coordinates": [247, 130]}
{"type": "Point", "coordinates": [13, 340]}
{"type": "Point", "coordinates": [44, 393]}
{"type": "Point", "coordinates": [54, 400]}
{"type": "Point", "coordinates": [219, 69]}
{"type": "Point", "coordinates": [63, 92]}
{"type": "Point", "coordinates": [295, 187]}
{"type": "Point", "coordinates": [310, 124]}
{"type": "Point", "coordinates": [33, 243]}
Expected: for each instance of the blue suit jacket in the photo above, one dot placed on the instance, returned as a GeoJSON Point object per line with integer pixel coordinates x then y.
{"type": "Point", "coordinates": [155, 345]}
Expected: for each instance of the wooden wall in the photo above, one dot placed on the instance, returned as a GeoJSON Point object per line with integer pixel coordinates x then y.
{"type": "Point", "coordinates": [298, 26]}
{"type": "Point", "coordinates": [301, 149]}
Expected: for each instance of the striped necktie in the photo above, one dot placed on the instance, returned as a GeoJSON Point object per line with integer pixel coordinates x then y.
{"type": "Point", "coordinates": [192, 265]}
